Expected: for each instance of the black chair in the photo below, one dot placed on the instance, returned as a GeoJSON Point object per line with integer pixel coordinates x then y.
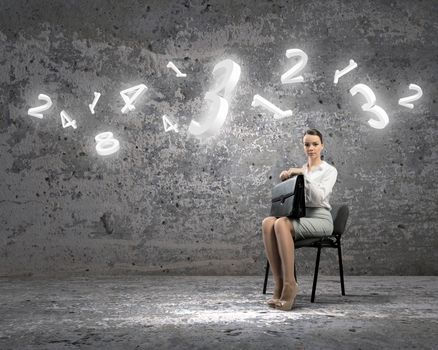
{"type": "Point", "coordinates": [340, 216]}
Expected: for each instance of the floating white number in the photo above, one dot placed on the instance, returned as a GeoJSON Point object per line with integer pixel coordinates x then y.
{"type": "Point", "coordinates": [216, 116]}
{"type": "Point", "coordinates": [135, 92]}
{"type": "Point", "coordinates": [278, 113]}
{"type": "Point", "coordinates": [35, 111]}
{"type": "Point", "coordinates": [286, 78]}
{"type": "Point", "coordinates": [96, 98]}
{"type": "Point", "coordinates": [226, 74]}
{"type": "Point", "coordinates": [168, 126]}
{"type": "Point", "coordinates": [67, 121]}
{"type": "Point", "coordinates": [176, 70]}
{"type": "Point", "coordinates": [346, 70]}
{"type": "Point", "coordinates": [106, 143]}
{"type": "Point", "coordinates": [405, 100]}
{"type": "Point", "coordinates": [382, 117]}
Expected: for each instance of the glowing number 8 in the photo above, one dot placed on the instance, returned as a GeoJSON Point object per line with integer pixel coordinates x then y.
{"type": "Point", "coordinates": [379, 112]}
{"type": "Point", "coordinates": [226, 74]}
{"type": "Point", "coordinates": [106, 144]}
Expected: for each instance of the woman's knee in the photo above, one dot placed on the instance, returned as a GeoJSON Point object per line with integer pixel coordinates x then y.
{"type": "Point", "coordinates": [268, 223]}
{"type": "Point", "coordinates": [282, 223]}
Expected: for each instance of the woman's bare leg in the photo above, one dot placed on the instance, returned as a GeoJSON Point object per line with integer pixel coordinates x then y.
{"type": "Point", "coordinates": [284, 232]}
{"type": "Point", "coordinates": [271, 250]}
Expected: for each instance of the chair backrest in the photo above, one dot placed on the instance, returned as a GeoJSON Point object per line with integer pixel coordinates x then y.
{"type": "Point", "coordinates": [340, 217]}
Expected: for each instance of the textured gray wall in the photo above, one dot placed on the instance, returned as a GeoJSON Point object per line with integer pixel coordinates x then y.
{"type": "Point", "coordinates": [170, 203]}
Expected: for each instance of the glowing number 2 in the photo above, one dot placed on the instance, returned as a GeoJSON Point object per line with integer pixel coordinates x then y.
{"type": "Point", "coordinates": [129, 100]}
{"type": "Point", "coordinates": [35, 111]}
{"type": "Point", "coordinates": [106, 144]}
{"type": "Point", "coordinates": [286, 78]}
{"type": "Point", "coordinates": [405, 100]}
{"type": "Point", "coordinates": [379, 112]}
{"type": "Point", "coordinates": [226, 74]}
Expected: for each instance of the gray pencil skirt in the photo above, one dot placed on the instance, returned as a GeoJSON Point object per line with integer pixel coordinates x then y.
{"type": "Point", "coordinates": [318, 222]}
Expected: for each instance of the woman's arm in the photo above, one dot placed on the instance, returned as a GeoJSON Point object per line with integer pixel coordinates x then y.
{"type": "Point", "coordinates": [286, 174]}
{"type": "Point", "coordinates": [317, 191]}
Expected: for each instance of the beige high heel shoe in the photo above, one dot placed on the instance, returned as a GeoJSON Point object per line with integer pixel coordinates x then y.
{"type": "Point", "coordinates": [272, 302]}
{"type": "Point", "coordinates": [286, 305]}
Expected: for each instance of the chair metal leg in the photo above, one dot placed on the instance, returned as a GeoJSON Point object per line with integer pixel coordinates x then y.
{"type": "Point", "coordinates": [341, 268]}
{"type": "Point", "coordinates": [315, 276]}
{"type": "Point", "coordinates": [295, 273]}
{"type": "Point", "coordinates": [266, 277]}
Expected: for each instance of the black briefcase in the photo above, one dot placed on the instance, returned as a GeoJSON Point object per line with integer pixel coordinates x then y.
{"type": "Point", "coordinates": [288, 198]}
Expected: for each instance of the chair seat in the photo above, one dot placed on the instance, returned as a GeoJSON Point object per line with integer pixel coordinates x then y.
{"type": "Point", "coordinates": [327, 241]}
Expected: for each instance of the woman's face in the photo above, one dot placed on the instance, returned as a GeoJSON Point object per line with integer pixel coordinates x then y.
{"type": "Point", "coordinates": [312, 146]}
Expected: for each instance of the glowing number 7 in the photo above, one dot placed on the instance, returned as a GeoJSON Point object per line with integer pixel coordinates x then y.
{"type": "Point", "coordinates": [379, 112]}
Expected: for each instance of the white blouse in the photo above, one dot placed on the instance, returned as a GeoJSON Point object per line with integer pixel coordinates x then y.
{"type": "Point", "coordinates": [319, 184]}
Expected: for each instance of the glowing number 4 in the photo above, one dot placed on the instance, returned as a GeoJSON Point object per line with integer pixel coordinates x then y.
{"type": "Point", "coordinates": [168, 126]}
{"type": "Point", "coordinates": [136, 92]}
{"type": "Point", "coordinates": [67, 121]}
{"type": "Point", "coordinates": [226, 74]}
{"type": "Point", "coordinates": [382, 117]}
{"type": "Point", "coordinates": [35, 111]}
{"type": "Point", "coordinates": [286, 78]}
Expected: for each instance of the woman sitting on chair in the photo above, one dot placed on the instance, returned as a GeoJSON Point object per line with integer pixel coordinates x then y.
{"type": "Point", "coordinates": [279, 233]}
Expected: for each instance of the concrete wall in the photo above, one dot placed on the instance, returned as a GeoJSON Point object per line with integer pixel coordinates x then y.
{"type": "Point", "coordinates": [170, 203]}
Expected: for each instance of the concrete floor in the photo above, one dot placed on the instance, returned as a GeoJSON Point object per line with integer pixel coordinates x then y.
{"type": "Point", "coordinates": [154, 312]}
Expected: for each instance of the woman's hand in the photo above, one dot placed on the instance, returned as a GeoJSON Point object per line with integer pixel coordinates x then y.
{"type": "Point", "coordinates": [295, 171]}
{"type": "Point", "coordinates": [286, 174]}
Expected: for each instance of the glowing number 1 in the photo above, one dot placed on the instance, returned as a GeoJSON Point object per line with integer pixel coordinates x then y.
{"type": "Point", "coordinates": [129, 100]}
{"type": "Point", "coordinates": [286, 78]}
{"type": "Point", "coordinates": [35, 111]}
{"type": "Point", "coordinates": [172, 66]}
{"type": "Point", "coordinates": [379, 112]}
{"type": "Point", "coordinates": [226, 74]}
{"type": "Point", "coordinates": [278, 113]}
{"type": "Point", "coordinates": [96, 98]}
{"type": "Point", "coordinates": [347, 69]}
{"type": "Point", "coordinates": [404, 101]}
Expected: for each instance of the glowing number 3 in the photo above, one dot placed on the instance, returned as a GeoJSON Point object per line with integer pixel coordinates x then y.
{"type": "Point", "coordinates": [35, 111]}
{"type": "Point", "coordinates": [379, 112]}
{"type": "Point", "coordinates": [404, 101]}
{"type": "Point", "coordinates": [226, 74]}
{"type": "Point", "coordinates": [106, 144]}
{"type": "Point", "coordinates": [286, 78]}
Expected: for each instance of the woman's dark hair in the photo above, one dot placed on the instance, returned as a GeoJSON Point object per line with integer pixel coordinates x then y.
{"type": "Point", "coordinates": [314, 132]}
